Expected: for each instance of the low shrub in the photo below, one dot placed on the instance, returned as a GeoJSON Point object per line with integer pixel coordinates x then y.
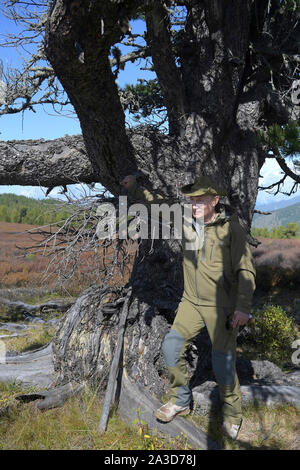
{"type": "Point", "coordinates": [273, 333]}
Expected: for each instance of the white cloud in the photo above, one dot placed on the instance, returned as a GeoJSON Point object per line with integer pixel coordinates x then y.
{"type": "Point", "coordinates": [271, 173]}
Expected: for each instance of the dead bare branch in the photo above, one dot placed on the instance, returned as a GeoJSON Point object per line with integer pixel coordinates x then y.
{"type": "Point", "coordinates": [273, 185]}
{"type": "Point", "coordinates": [256, 211]}
{"type": "Point", "coordinates": [287, 170]}
{"type": "Point", "coordinates": [74, 249]}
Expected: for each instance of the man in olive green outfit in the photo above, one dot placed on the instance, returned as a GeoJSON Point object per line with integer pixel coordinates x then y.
{"type": "Point", "coordinates": [219, 281]}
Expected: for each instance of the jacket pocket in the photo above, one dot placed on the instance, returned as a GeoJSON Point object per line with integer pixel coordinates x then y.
{"type": "Point", "coordinates": [216, 254]}
{"type": "Point", "coordinates": [189, 274]}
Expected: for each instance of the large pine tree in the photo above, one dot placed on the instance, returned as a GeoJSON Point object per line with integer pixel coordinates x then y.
{"type": "Point", "coordinates": [224, 71]}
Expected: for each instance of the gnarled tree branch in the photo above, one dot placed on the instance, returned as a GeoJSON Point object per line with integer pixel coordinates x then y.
{"type": "Point", "coordinates": [45, 163]}
{"type": "Point", "coordinates": [159, 40]}
{"type": "Point", "coordinates": [288, 172]}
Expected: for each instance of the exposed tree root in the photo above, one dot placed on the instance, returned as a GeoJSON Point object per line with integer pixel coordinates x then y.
{"type": "Point", "coordinates": [52, 398]}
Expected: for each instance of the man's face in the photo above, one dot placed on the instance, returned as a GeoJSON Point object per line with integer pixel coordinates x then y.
{"type": "Point", "coordinates": [203, 206]}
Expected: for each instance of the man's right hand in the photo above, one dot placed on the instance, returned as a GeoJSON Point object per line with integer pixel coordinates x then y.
{"type": "Point", "coordinates": [128, 182]}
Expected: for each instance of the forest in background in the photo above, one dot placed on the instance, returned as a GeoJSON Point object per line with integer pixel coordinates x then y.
{"type": "Point", "coordinates": [26, 210]}
{"type": "Point", "coordinates": [291, 230]}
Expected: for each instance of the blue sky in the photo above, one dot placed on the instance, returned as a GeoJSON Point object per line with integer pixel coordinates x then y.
{"type": "Point", "coordinates": [45, 123]}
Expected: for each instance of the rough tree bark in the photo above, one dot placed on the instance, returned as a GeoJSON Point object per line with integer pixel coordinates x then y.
{"type": "Point", "coordinates": [220, 84]}
{"type": "Point", "coordinates": [45, 163]}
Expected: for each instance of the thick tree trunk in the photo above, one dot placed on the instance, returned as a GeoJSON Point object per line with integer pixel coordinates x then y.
{"type": "Point", "coordinates": [85, 343]}
{"type": "Point", "coordinates": [212, 119]}
{"type": "Point", "coordinates": [90, 83]}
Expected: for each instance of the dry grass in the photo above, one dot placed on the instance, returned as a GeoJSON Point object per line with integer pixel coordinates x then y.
{"type": "Point", "coordinates": [263, 428]}
{"type": "Point", "coordinates": [17, 270]}
{"type": "Point", "coordinates": [34, 338]}
{"type": "Point", "coordinates": [72, 427]}
{"type": "Point", "coordinates": [277, 262]}
{"type": "Point", "coordinates": [271, 428]}
{"type": "Point", "coordinates": [278, 252]}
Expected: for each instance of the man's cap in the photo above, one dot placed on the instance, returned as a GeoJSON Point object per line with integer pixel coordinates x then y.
{"type": "Point", "coordinates": [203, 185]}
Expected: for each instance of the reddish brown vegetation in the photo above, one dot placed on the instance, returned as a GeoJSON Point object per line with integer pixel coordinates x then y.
{"type": "Point", "coordinates": [277, 262]}
{"type": "Point", "coordinates": [19, 268]}
{"type": "Point", "coordinates": [283, 253]}
{"type": "Point", "coordinates": [15, 269]}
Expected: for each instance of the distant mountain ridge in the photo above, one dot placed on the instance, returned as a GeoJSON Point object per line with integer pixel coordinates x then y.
{"type": "Point", "coordinates": [10, 200]}
{"type": "Point", "coordinates": [278, 217]}
{"type": "Point", "coordinates": [274, 205]}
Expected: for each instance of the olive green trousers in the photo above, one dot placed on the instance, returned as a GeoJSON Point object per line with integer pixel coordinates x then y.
{"type": "Point", "coordinates": [189, 320]}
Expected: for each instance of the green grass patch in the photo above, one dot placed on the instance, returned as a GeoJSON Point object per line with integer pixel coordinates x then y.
{"type": "Point", "coordinates": [34, 338]}
{"type": "Point", "coordinates": [74, 427]}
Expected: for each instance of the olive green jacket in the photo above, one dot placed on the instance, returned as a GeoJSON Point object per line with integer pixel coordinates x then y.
{"type": "Point", "coordinates": [217, 266]}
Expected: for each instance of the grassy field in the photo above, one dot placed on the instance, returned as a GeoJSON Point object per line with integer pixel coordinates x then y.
{"type": "Point", "coordinates": [34, 338]}
{"type": "Point", "coordinates": [74, 425]}
{"type": "Point", "coordinates": [263, 428]}
{"type": "Point", "coordinates": [18, 268]}
{"type": "Point", "coordinates": [71, 427]}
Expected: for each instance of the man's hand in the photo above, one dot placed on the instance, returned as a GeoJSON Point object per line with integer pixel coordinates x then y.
{"type": "Point", "coordinates": [128, 182]}
{"type": "Point", "coordinates": [239, 319]}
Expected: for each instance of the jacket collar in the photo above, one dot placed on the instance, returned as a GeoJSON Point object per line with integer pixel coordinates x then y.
{"type": "Point", "coordinates": [221, 218]}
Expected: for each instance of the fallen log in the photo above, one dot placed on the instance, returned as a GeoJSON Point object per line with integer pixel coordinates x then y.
{"type": "Point", "coordinates": [15, 327]}
{"type": "Point", "coordinates": [14, 335]}
{"type": "Point", "coordinates": [52, 398]}
{"type": "Point", "coordinates": [24, 308]}
{"type": "Point", "coordinates": [206, 396]}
